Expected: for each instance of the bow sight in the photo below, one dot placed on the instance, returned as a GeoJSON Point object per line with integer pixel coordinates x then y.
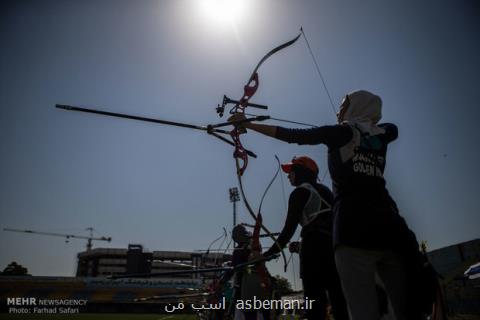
{"type": "Point", "coordinates": [227, 100]}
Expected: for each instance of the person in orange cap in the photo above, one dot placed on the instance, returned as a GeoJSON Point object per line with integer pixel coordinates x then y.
{"type": "Point", "coordinates": [310, 206]}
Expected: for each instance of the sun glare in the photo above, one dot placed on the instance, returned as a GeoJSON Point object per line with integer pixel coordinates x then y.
{"type": "Point", "coordinates": [222, 11]}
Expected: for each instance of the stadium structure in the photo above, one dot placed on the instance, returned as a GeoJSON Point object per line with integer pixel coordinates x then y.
{"type": "Point", "coordinates": [93, 284]}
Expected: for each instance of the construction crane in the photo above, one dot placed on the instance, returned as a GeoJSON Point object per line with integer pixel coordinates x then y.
{"type": "Point", "coordinates": [64, 235]}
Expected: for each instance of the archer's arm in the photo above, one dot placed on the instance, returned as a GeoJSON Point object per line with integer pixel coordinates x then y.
{"type": "Point", "coordinates": [296, 203]}
{"type": "Point", "coordinates": [332, 136]}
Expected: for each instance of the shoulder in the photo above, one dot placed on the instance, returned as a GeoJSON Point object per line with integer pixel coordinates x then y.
{"type": "Point", "coordinates": [336, 135]}
{"type": "Point", "coordinates": [299, 192]}
{"type": "Point", "coordinates": [299, 195]}
{"type": "Point", "coordinates": [323, 188]}
{"type": "Point", "coordinates": [324, 191]}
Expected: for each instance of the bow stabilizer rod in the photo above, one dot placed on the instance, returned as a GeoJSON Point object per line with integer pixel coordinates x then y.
{"type": "Point", "coordinates": [133, 117]}
{"type": "Point", "coordinates": [210, 129]}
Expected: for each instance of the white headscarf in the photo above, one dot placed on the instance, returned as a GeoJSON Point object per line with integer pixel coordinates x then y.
{"type": "Point", "coordinates": [364, 112]}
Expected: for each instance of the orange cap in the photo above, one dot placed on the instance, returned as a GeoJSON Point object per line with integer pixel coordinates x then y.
{"type": "Point", "coordinates": [303, 161]}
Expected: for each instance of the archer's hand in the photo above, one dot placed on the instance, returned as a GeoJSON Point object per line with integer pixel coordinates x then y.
{"type": "Point", "coordinates": [294, 247]}
{"type": "Point", "coordinates": [236, 117]}
{"type": "Point", "coordinates": [255, 255]}
{"type": "Point", "coordinates": [265, 129]}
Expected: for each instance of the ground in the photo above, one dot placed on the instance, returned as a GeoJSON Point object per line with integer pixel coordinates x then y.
{"type": "Point", "coordinates": [97, 316]}
{"type": "Point", "coordinates": [116, 316]}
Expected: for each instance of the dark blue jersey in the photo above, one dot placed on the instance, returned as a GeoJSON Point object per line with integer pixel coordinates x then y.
{"type": "Point", "coordinates": [365, 214]}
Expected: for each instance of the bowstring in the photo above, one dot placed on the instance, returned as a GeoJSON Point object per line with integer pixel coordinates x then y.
{"type": "Point", "coordinates": [323, 82]}
{"type": "Point", "coordinates": [225, 235]}
{"type": "Point", "coordinates": [318, 70]}
{"type": "Point", "coordinates": [283, 193]}
{"type": "Point", "coordinates": [290, 259]}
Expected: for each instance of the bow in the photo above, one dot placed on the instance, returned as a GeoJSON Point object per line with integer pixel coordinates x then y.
{"type": "Point", "coordinates": [240, 153]}
{"type": "Point", "coordinates": [249, 91]}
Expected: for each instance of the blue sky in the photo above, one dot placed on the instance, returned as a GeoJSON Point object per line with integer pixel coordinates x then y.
{"type": "Point", "coordinates": [166, 187]}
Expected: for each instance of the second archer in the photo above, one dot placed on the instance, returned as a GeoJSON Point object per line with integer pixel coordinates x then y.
{"type": "Point", "coordinates": [310, 206]}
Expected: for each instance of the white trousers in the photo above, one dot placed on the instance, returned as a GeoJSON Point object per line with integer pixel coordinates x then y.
{"type": "Point", "coordinates": [360, 270]}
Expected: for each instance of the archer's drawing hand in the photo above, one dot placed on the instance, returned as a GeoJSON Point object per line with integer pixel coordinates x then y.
{"type": "Point", "coordinates": [294, 247]}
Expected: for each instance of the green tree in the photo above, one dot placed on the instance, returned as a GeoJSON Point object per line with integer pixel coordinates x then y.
{"type": "Point", "coordinates": [15, 269]}
{"type": "Point", "coordinates": [282, 285]}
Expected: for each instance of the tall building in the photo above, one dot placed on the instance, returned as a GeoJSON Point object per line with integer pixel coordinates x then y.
{"type": "Point", "coordinates": [101, 262]}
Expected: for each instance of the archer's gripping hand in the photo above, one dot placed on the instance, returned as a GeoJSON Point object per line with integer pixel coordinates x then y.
{"type": "Point", "coordinates": [254, 255]}
{"type": "Point", "coordinates": [294, 247]}
{"type": "Point", "coordinates": [236, 118]}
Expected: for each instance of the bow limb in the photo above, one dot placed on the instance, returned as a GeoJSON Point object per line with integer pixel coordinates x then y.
{"type": "Point", "coordinates": [269, 184]}
{"type": "Point", "coordinates": [273, 51]}
{"type": "Point", "coordinates": [252, 84]}
{"type": "Point", "coordinates": [252, 213]}
{"type": "Point", "coordinates": [285, 262]}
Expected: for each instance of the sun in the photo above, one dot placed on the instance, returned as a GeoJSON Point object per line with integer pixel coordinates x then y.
{"type": "Point", "coordinates": [222, 11]}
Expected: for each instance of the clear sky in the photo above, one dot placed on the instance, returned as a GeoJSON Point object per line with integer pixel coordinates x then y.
{"type": "Point", "coordinates": [167, 187]}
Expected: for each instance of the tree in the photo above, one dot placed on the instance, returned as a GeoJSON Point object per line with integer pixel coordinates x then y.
{"type": "Point", "coordinates": [15, 269]}
{"type": "Point", "coordinates": [282, 285]}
